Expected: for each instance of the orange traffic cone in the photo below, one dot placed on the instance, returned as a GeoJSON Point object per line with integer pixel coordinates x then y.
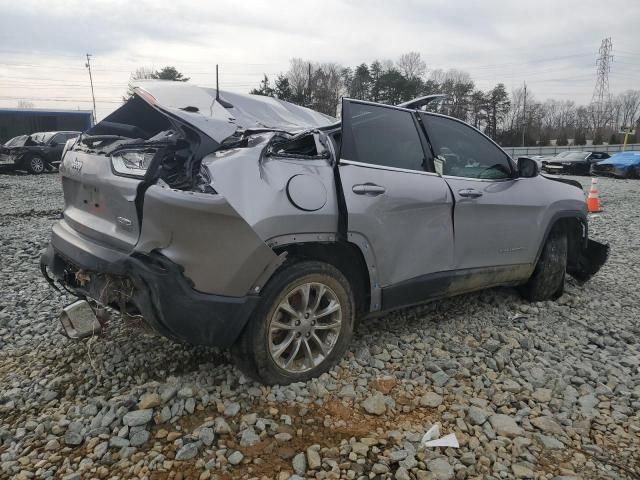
{"type": "Point", "coordinates": [593, 200]}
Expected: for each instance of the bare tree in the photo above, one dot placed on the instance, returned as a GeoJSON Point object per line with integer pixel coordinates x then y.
{"type": "Point", "coordinates": [142, 73]}
{"type": "Point", "coordinates": [387, 65]}
{"type": "Point", "coordinates": [298, 76]}
{"type": "Point", "coordinates": [411, 65]}
{"type": "Point", "coordinates": [628, 108]}
{"type": "Point", "coordinates": [601, 115]}
{"type": "Point", "coordinates": [26, 104]}
{"type": "Point", "coordinates": [327, 87]}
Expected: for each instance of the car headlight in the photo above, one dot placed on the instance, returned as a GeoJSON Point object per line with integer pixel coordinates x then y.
{"type": "Point", "coordinates": [132, 162]}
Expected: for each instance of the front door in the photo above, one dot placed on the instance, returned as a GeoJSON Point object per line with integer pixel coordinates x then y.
{"type": "Point", "coordinates": [403, 211]}
{"type": "Point", "coordinates": [496, 214]}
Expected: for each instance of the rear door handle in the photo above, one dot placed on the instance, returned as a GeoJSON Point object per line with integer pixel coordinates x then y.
{"type": "Point", "coordinates": [470, 193]}
{"type": "Point", "coordinates": [368, 189]}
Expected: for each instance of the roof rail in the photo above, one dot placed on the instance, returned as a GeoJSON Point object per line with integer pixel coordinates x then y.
{"type": "Point", "coordinates": [421, 101]}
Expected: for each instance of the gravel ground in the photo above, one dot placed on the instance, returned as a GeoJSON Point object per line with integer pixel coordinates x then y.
{"type": "Point", "coordinates": [544, 390]}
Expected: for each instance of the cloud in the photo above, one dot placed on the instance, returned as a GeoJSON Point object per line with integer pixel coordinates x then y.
{"type": "Point", "coordinates": [552, 45]}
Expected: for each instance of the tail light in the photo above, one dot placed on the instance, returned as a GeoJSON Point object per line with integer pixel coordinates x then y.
{"type": "Point", "coordinates": [132, 163]}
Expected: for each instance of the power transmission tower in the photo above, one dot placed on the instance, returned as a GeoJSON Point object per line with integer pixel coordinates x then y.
{"type": "Point", "coordinates": [601, 96]}
{"type": "Point", "coordinates": [88, 65]}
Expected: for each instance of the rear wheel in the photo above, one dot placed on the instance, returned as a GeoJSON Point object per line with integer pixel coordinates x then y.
{"type": "Point", "coordinates": [35, 164]}
{"type": "Point", "coordinates": [547, 280]}
{"type": "Point", "coordinates": [302, 326]}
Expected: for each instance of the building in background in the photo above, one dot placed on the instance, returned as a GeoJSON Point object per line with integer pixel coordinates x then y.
{"type": "Point", "coordinates": [24, 121]}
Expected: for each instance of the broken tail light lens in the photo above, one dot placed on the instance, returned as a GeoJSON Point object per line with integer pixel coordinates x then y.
{"type": "Point", "coordinates": [132, 162]}
{"type": "Point", "coordinates": [69, 143]}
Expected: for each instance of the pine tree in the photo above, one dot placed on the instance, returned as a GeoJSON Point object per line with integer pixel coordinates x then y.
{"type": "Point", "coordinates": [264, 89]}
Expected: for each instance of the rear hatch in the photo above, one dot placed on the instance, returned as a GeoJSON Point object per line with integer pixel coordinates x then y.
{"type": "Point", "coordinates": [105, 173]}
{"type": "Point", "coordinates": [161, 134]}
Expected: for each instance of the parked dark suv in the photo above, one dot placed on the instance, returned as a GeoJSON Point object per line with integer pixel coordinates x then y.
{"type": "Point", "coordinates": [36, 152]}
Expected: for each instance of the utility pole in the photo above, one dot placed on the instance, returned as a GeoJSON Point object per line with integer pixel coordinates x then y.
{"type": "Point", "coordinates": [524, 112]}
{"type": "Point", "coordinates": [88, 65]}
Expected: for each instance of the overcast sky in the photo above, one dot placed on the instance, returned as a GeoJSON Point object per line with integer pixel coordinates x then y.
{"type": "Point", "coordinates": [552, 45]}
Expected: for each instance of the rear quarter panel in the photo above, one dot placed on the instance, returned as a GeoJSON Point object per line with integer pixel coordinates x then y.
{"type": "Point", "coordinates": [256, 187]}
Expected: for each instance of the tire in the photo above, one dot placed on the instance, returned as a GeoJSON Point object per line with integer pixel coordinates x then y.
{"type": "Point", "coordinates": [273, 355]}
{"type": "Point", "coordinates": [547, 280]}
{"type": "Point", "coordinates": [35, 164]}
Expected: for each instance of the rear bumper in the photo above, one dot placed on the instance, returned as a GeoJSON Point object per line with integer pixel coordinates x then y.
{"type": "Point", "coordinates": [156, 287]}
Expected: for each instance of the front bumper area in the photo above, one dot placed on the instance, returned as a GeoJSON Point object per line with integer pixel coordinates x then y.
{"type": "Point", "coordinates": [7, 159]}
{"type": "Point", "coordinates": [617, 171]}
{"type": "Point", "coordinates": [154, 286]}
{"type": "Point", "coordinates": [569, 168]}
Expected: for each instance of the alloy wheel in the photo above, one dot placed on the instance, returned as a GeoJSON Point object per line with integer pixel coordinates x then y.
{"type": "Point", "coordinates": [36, 164]}
{"type": "Point", "coordinates": [305, 327]}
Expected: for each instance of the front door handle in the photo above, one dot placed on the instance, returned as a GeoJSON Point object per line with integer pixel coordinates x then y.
{"type": "Point", "coordinates": [368, 189]}
{"type": "Point", "coordinates": [470, 193]}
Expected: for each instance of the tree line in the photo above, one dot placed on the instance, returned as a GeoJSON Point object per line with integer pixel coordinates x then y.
{"type": "Point", "coordinates": [511, 118]}
{"type": "Point", "coordinates": [507, 117]}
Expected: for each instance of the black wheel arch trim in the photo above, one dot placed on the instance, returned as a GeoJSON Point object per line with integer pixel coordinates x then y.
{"type": "Point", "coordinates": [592, 254]}
{"type": "Point", "coordinates": [566, 214]}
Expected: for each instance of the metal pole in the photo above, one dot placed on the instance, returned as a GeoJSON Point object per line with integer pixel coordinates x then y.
{"type": "Point", "coordinates": [626, 137]}
{"type": "Point", "coordinates": [88, 65]}
{"type": "Point", "coordinates": [217, 86]}
{"type": "Point", "coordinates": [524, 112]}
{"type": "Point", "coordinates": [309, 87]}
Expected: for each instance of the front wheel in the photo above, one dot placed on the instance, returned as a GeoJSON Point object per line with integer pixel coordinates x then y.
{"type": "Point", "coordinates": [547, 280]}
{"type": "Point", "coordinates": [35, 164]}
{"type": "Point", "coordinates": [302, 326]}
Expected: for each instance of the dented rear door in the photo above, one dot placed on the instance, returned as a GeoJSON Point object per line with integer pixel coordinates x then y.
{"type": "Point", "coordinates": [403, 210]}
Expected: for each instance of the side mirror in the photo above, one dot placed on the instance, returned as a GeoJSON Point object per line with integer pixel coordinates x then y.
{"type": "Point", "coordinates": [527, 167]}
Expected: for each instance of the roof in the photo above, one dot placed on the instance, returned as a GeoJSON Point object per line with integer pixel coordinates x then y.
{"type": "Point", "coordinates": [220, 114]}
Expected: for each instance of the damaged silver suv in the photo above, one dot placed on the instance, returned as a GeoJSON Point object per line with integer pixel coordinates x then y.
{"type": "Point", "coordinates": [247, 222]}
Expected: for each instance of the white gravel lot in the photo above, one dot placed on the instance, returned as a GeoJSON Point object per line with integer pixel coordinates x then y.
{"type": "Point", "coordinates": [545, 390]}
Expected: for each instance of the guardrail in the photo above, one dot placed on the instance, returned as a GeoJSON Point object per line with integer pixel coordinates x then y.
{"type": "Point", "coordinates": [516, 152]}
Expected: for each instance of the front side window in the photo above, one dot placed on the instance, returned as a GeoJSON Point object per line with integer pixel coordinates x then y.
{"type": "Point", "coordinates": [462, 151]}
{"type": "Point", "coordinates": [382, 136]}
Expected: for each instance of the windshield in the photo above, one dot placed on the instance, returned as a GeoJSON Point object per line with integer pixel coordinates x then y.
{"type": "Point", "coordinates": [46, 137]}
{"type": "Point", "coordinates": [562, 154]}
{"type": "Point", "coordinates": [42, 137]}
{"type": "Point", "coordinates": [576, 155]}
{"type": "Point", "coordinates": [16, 141]}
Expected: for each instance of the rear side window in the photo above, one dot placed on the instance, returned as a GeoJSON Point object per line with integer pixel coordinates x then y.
{"type": "Point", "coordinates": [382, 136]}
{"type": "Point", "coordinates": [462, 151]}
